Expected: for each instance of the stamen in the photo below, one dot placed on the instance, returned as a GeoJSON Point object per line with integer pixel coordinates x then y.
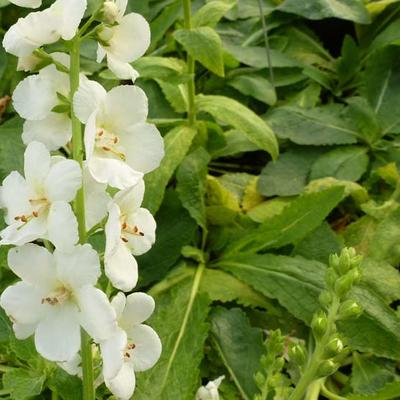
{"type": "Point", "coordinates": [57, 297]}
{"type": "Point", "coordinates": [132, 230]}
{"type": "Point", "coordinates": [125, 240]}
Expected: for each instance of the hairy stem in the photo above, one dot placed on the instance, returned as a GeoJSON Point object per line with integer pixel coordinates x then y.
{"type": "Point", "coordinates": [187, 10]}
{"type": "Point", "coordinates": [79, 208]}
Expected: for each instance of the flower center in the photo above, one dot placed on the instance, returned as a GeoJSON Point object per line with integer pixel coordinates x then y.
{"type": "Point", "coordinates": [105, 35]}
{"type": "Point", "coordinates": [131, 230]}
{"type": "Point", "coordinates": [128, 350]}
{"type": "Point", "coordinates": [39, 205]}
{"type": "Point", "coordinates": [59, 296]}
{"type": "Point", "coordinates": [108, 142]}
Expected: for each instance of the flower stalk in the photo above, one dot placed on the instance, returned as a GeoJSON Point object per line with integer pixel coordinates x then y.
{"type": "Point", "coordinates": [79, 208]}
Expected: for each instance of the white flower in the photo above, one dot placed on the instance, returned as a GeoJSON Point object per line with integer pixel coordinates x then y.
{"type": "Point", "coordinates": [34, 99]}
{"type": "Point", "coordinates": [61, 20]}
{"type": "Point", "coordinates": [120, 145]}
{"type": "Point", "coordinates": [135, 347]}
{"type": "Point", "coordinates": [123, 42]}
{"type": "Point", "coordinates": [210, 391]}
{"type": "Point", "coordinates": [96, 199]}
{"type": "Point", "coordinates": [37, 206]}
{"type": "Point", "coordinates": [129, 230]}
{"type": "Point", "coordinates": [27, 3]}
{"type": "Point", "coordinates": [57, 297]}
{"type": "Point", "coordinates": [73, 366]}
{"type": "Point", "coordinates": [28, 63]}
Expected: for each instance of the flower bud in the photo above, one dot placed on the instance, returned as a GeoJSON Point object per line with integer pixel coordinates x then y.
{"type": "Point", "coordinates": [259, 379]}
{"type": "Point", "coordinates": [325, 298]}
{"type": "Point", "coordinates": [110, 12]}
{"type": "Point", "coordinates": [327, 368]}
{"type": "Point", "coordinates": [347, 260]}
{"type": "Point", "coordinates": [298, 354]}
{"type": "Point", "coordinates": [343, 285]}
{"type": "Point", "coordinates": [330, 278]}
{"type": "Point", "coordinates": [279, 363]}
{"type": "Point", "coordinates": [105, 35]}
{"type": "Point", "coordinates": [319, 324]}
{"type": "Point", "coordinates": [333, 348]}
{"type": "Point", "coordinates": [349, 309]}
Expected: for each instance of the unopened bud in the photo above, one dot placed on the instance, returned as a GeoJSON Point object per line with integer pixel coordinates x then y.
{"type": "Point", "coordinates": [279, 363]}
{"type": "Point", "coordinates": [297, 354]}
{"type": "Point", "coordinates": [347, 260]}
{"type": "Point", "coordinates": [333, 348]}
{"type": "Point", "coordinates": [330, 278]}
{"type": "Point", "coordinates": [343, 285]}
{"type": "Point", "coordinates": [327, 368]}
{"type": "Point", "coordinates": [319, 324]}
{"type": "Point", "coordinates": [349, 309]}
{"type": "Point", "coordinates": [259, 379]}
{"type": "Point", "coordinates": [110, 12]}
{"type": "Point", "coordinates": [325, 298]}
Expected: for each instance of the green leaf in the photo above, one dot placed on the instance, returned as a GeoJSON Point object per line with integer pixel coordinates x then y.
{"type": "Point", "coordinates": [5, 327]}
{"type": "Point", "coordinates": [377, 330]}
{"type": "Point", "coordinates": [175, 94]}
{"type": "Point", "coordinates": [204, 45]}
{"type": "Point", "coordinates": [177, 143]}
{"type": "Point", "coordinates": [255, 86]}
{"type": "Point", "coordinates": [382, 87]}
{"type": "Point", "coordinates": [370, 374]}
{"type": "Point", "coordinates": [268, 209]}
{"type": "Point", "coordinates": [344, 163]}
{"type": "Point", "coordinates": [212, 12]}
{"type": "Point", "coordinates": [289, 174]}
{"type": "Point", "coordinates": [179, 320]}
{"type": "Point", "coordinates": [23, 384]}
{"type": "Point", "coordinates": [353, 10]}
{"type": "Point", "coordinates": [240, 117]}
{"type": "Point", "coordinates": [348, 64]}
{"type": "Point", "coordinates": [165, 68]}
{"type": "Point", "coordinates": [192, 187]}
{"type": "Point", "coordinates": [175, 229]}
{"type": "Point", "coordinates": [294, 281]}
{"type": "Point", "coordinates": [317, 126]}
{"type": "Point", "coordinates": [295, 221]}
{"type": "Point", "coordinates": [240, 347]}
{"type": "Point", "coordinates": [390, 391]}
{"type": "Point", "coordinates": [68, 387]}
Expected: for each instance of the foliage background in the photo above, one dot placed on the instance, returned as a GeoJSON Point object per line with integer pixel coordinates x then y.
{"type": "Point", "coordinates": [242, 240]}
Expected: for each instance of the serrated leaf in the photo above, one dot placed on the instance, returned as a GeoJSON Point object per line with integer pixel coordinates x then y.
{"type": "Point", "coordinates": [179, 320]}
{"type": "Point", "coordinates": [295, 221]}
{"type": "Point", "coordinates": [317, 126]}
{"type": "Point", "coordinates": [344, 163]}
{"type": "Point", "coordinates": [212, 12]}
{"type": "Point", "coordinates": [175, 94]}
{"type": "Point", "coordinates": [192, 187]}
{"type": "Point", "coordinates": [255, 86]}
{"type": "Point", "coordinates": [177, 143]}
{"type": "Point", "coordinates": [348, 64]}
{"type": "Point", "coordinates": [68, 387]}
{"type": "Point", "coordinates": [240, 117]}
{"type": "Point", "coordinates": [23, 384]}
{"type": "Point", "coordinates": [240, 347]}
{"type": "Point", "coordinates": [165, 68]}
{"type": "Point", "coordinates": [354, 10]}
{"type": "Point", "coordinates": [390, 391]}
{"type": "Point", "coordinates": [288, 175]}
{"type": "Point", "coordinates": [294, 281]}
{"type": "Point", "coordinates": [204, 45]}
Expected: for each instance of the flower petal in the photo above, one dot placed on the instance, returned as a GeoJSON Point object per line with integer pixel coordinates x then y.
{"type": "Point", "coordinates": [146, 224]}
{"type": "Point", "coordinates": [130, 26]}
{"type": "Point", "coordinates": [125, 106]}
{"type": "Point", "coordinates": [73, 366]}
{"type": "Point", "coordinates": [23, 331]}
{"type": "Point", "coordinates": [70, 13]}
{"type": "Point", "coordinates": [57, 336]}
{"type": "Point", "coordinates": [62, 226]}
{"type": "Point", "coordinates": [20, 233]}
{"type": "Point", "coordinates": [121, 70]}
{"type": "Point", "coordinates": [123, 385]}
{"type": "Point", "coordinates": [63, 180]}
{"type": "Point", "coordinates": [144, 147]}
{"type": "Point", "coordinates": [36, 164]}
{"type": "Point", "coordinates": [96, 314]}
{"type": "Point", "coordinates": [28, 103]}
{"type": "Point", "coordinates": [112, 351]}
{"type": "Point", "coordinates": [114, 172]}
{"type": "Point", "coordinates": [113, 230]}
{"type": "Point", "coordinates": [15, 197]}
{"type": "Point", "coordinates": [139, 307]}
{"type": "Point", "coordinates": [27, 3]}
{"type": "Point", "coordinates": [118, 304]}
{"type": "Point", "coordinates": [34, 265]}
{"type": "Point", "coordinates": [147, 349]}
{"type": "Point", "coordinates": [79, 266]}
{"type": "Point", "coordinates": [88, 99]}
{"type": "Point", "coordinates": [129, 200]}
{"type": "Point", "coordinates": [121, 268]}
{"type": "Point", "coordinates": [23, 303]}
{"type": "Point", "coordinates": [54, 131]}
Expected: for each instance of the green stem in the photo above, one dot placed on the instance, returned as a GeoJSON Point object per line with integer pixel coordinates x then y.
{"type": "Point", "coordinates": [330, 395]}
{"type": "Point", "coordinates": [79, 208]}
{"type": "Point", "coordinates": [311, 371]}
{"type": "Point", "coordinates": [187, 10]}
{"type": "Point", "coordinates": [54, 395]}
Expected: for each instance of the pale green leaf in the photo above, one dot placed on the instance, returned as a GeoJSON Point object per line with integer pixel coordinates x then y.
{"type": "Point", "coordinates": [242, 118]}
{"type": "Point", "coordinates": [23, 384]}
{"type": "Point", "coordinates": [390, 391]}
{"type": "Point", "coordinates": [212, 12]}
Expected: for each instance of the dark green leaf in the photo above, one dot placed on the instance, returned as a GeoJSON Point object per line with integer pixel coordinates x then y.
{"type": "Point", "coordinates": [23, 384]}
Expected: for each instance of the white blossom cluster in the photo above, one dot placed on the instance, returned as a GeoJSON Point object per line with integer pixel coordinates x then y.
{"type": "Point", "coordinates": [57, 294]}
